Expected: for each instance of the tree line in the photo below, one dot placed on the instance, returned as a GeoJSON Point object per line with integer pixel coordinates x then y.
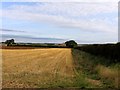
{"type": "Point", "coordinates": [69, 44]}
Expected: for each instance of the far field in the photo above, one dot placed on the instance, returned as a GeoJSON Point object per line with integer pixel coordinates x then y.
{"type": "Point", "coordinates": [54, 67]}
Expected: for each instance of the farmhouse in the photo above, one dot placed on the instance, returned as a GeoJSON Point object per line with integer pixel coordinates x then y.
{"type": "Point", "coordinates": [3, 44]}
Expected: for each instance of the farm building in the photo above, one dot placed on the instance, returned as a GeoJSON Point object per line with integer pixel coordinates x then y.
{"type": "Point", "coordinates": [2, 44]}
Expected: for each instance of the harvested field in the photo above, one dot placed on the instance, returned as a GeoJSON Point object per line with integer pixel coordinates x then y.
{"type": "Point", "coordinates": [37, 67]}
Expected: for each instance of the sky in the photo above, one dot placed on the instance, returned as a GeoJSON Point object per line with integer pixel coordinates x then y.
{"type": "Point", "coordinates": [57, 22]}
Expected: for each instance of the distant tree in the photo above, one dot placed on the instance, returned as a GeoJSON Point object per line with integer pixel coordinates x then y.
{"type": "Point", "coordinates": [71, 43]}
{"type": "Point", "coordinates": [9, 42]}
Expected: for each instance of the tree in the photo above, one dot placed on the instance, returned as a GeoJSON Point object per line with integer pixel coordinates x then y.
{"type": "Point", "coordinates": [9, 42]}
{"type": "Point", "coordinates": [71, 43]}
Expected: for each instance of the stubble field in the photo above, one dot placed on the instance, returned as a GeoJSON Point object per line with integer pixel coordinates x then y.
{"type": "Point", "coordinates": [37, 67]}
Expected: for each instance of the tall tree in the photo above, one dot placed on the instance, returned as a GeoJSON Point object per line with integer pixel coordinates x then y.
{"type": "Point", "coordinates": [71, 43]}
{"type": "Point", "coordinates": [9, 42]}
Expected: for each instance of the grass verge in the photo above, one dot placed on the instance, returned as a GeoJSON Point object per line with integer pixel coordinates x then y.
{"type": "Point", "coordinates": [96, 71]}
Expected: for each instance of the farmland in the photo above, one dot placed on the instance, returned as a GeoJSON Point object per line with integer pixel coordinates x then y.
{"type": "Point", "coordinates": [36, 67]}
{"type": "Point", "coordinates": [55, 68]}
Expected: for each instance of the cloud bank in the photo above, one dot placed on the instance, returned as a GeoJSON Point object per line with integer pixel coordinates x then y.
{"type": "Point", "coordinates": [70, 15]}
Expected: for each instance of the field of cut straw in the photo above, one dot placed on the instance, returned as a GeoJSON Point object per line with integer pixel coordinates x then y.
{"type": "Point", "coordinates": [37, 67]}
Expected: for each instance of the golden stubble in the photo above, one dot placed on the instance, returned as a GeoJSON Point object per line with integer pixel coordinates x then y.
{"type": "Point", "coordinates": [36, 67]}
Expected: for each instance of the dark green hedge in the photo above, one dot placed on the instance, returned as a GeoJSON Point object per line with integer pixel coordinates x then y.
{"type": "Point", "coordinates": [109, 51]}
{"type": "Point", "coordinates": [38, 46]}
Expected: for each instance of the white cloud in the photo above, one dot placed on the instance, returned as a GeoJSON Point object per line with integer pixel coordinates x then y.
{"type": "Point", "coordinates": [60, 0]}
{"type": "Point", "coordinates": [65, 14]}
{"type": "Point", "coordinates": [69, 9]}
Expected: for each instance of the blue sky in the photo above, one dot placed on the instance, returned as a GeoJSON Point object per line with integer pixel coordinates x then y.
{"type": "Point", "coordinates": [60, 21]}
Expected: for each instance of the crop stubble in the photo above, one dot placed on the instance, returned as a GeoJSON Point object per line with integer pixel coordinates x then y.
{"type": "Point", "coordinates": [36, 67]}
